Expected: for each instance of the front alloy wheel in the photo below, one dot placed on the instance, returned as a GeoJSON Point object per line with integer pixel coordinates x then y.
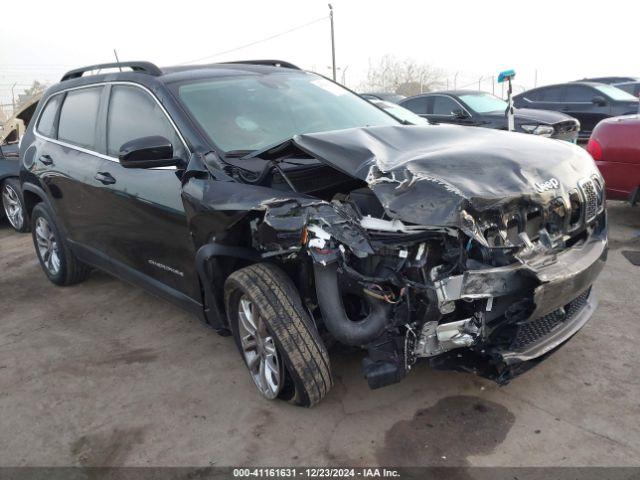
{"type": "Point", "coordinates": [47, 245]}
{"type": "Point", "coordinates": [13, 207]}
{"type": "Point", "coordinates": [259, 350]}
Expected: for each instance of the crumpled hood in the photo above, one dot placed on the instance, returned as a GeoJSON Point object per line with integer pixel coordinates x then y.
{"type": "Point", "coordinates": [427, 174]}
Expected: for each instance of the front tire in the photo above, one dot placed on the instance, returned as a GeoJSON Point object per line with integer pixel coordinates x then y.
{"type": "Point", "coordinates": [13, 205]}
{"type": "Point", "coordinates": [279, 344]}
{"type": "Point", "coordinates": [57, 260]}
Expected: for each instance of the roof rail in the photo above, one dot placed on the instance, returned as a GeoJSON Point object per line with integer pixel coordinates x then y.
{"type": "Point", "coordinates": [268, 63]}
{"type": "Point", "coordinates": [142, 67]}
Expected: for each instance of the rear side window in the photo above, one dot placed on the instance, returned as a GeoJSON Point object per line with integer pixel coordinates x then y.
{"type": "Point", "coordinates": [79, 117]}
{"type": "Point", "coordinates": [416, 105]}
{"type": "Point", "coordinates": [134, 114]}
{"type": "Point", "coordinates": [46, 124]}
{"type": "Point", "coordinates": [551, 94]}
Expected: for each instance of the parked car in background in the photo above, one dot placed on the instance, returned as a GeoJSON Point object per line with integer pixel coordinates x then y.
{"type": "Point", "coordinates": [480, 109]}
{"type": "Point", "coordinates": [283, 209]}
{"type": "Point", "coordinates": [615, 146]}
{"type": "Point", "coordinates": [609, 80]}
{"type": "Point", "coordinates": [10, 193]}
{"type": "Point", "coordinates": [399, 112]}
{"type": "Point", "coordinates": [386, 96]}
{"type": "Point", "coordinates": [630, 87]}
{"type": "Point", "coordinates": [589, 102]}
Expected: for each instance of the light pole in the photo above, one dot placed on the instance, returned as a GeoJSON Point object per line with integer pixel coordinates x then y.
{"type": "Point", "coordinates": [344, 75]}
{"type": "Point", "coordinates": [333, 43]}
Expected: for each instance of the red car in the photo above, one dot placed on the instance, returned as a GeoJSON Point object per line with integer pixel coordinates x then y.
{"type": "Point", "coordinates": [615, 146]}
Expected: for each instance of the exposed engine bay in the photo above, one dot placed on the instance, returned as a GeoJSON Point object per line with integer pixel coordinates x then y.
{"type": "Point", "coordinates": [482, 265]}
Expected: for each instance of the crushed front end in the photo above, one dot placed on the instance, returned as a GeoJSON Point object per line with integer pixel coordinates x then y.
{"type": "Point", "coordinates": [430, 261]}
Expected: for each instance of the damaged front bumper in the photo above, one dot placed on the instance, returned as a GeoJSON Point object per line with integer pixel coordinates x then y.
{"type": "Point", "coordinates": [562, 303]}
{"type": "Point", "coordinates": [559, 277]}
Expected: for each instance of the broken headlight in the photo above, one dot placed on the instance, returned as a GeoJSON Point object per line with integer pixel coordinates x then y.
{"type": "Point", "coordinates": [542, 130]}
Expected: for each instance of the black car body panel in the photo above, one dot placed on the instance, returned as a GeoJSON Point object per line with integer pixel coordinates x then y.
{"type": "Point", "coordinates": [9, 161]}
{"type": "Point", "coordinates": [455, 239]}
{"type": "Point", "coordinates": [589, 102]}
{"type": "Point", "coordinates": [564, 126]}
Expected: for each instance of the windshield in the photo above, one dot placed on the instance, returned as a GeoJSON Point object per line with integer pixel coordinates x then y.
{"type": "Point", "coordinates": [401, 113]}
{"type": "Point", "coordinates": [484, 102]}
{"type": "Point", "coordinates": [616, 94]}
{"type": "Point", "coordinates": [252, 112]}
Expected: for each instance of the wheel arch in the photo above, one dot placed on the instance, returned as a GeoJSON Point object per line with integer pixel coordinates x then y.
{"type": "Point", "coordinates": [33, 195]}
{"type": "Point", "coordinates": [214, 263]}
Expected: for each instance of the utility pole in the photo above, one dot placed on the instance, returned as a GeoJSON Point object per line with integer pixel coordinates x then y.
{"type": "Point", "coordinates": [333, 43]}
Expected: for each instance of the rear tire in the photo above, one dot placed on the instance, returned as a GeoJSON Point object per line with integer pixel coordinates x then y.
{"type": "Point", "coordinates": [13, 205]}
{"type": "Point", "coordinates": [57, 260]}
{"type": "Point", "coordinates": [275, 305]}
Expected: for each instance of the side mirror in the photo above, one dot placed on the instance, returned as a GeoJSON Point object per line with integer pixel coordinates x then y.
{"type": "Point", "coordinates": [460, 113]}
{"type": "Point", "coordinates": [598, 100]}
{"type": "Point", "coordinates": [148, 152]}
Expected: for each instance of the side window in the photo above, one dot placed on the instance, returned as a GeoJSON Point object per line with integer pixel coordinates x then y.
{"type": "Point", "coordinates": [551, 94]}
{"type": "Point", "coordinates": [46, 124]}
{"type": "Point", "coordinates": [444, 105]}
{"type": "Point", "coordinates": [79, 117]}
{"type": "Point", "coordinates": [416, 105]}
{"type": "Point", "coordinates": [12, 137]}
{"type": "Point", "coordinates": [133, 114]}
{"type": "Point", "coordinates": [579, 93]}
{"type": "Point", "coordinates": [534, 95]}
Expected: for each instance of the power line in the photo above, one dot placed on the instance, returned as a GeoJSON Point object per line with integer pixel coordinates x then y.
{"type": "Point", "coordinates": [257, 41]}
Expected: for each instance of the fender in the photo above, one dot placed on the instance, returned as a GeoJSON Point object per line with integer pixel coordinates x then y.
{"type": "Point", "coordinates": [41, 194]}
{"type": "Point", "coordinates": [206, 264]}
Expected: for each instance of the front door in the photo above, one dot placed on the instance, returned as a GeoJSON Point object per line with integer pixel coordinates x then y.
{"type": "Point", "coordinates": [147, 226]}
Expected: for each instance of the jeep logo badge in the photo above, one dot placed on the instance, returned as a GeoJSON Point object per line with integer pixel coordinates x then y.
{"type": "Point", "coordinates": [550, 184]}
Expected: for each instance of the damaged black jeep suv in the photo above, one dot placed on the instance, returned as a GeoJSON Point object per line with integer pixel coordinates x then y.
{"type": "Point", "coordinates": [288, 211]}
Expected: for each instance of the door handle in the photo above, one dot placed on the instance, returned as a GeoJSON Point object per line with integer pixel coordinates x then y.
{"type": "Point", "coordinates": [46, 160]}
{"type": "Point", "coordinates": [105, 178]}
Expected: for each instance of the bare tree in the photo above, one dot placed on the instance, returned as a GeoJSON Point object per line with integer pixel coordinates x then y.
{"type": "Point", "coordinates": [403, 76]}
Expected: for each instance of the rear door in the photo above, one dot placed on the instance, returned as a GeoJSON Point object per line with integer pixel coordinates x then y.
{"type": "Point", "coordinates": [69, 156]}
{"type": "Point", "coordinates": [147, 230]}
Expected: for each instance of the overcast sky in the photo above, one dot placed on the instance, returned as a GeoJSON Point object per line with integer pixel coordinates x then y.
{"type": "Point", "coordinates": [561, 39]}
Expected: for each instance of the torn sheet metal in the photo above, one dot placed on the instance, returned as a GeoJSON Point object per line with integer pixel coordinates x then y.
{"type": "Point", "coordinates": [428, 175]}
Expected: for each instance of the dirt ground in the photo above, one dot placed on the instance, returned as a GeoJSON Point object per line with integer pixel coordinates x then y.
{"type": "Point", "coordinates": [104, 374]}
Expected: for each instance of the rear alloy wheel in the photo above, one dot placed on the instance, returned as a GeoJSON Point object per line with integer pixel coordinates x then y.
{"type": "Point", "coordinates": [14, 205]}
{"type": "Point", "coordinates": [56, 259]}
{"type": "Point", "coordinates": [47, 246]}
